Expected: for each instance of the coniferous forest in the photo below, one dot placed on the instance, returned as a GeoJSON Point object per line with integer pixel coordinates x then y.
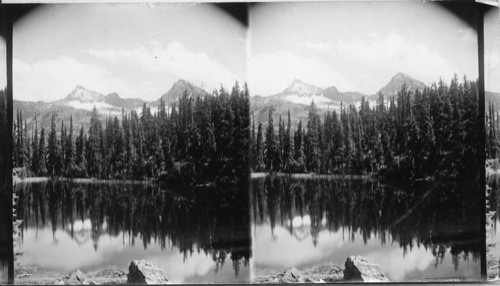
{"type": "Point", "coordinates": [421, 134]}
{"type": "Point", "coordinates": [492, 129]}
{"type": "Point", "coordinates": [198, 140]}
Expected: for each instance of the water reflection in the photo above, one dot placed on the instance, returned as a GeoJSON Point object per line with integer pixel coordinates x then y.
{"type": "Point", "coordinates": [106, 224]}
{"type": "Point", "coordinates": [330, 219]}
{"type": "Point", "coordinates": [493, 180]}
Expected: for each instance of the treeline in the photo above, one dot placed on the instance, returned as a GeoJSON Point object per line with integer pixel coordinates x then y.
{"type": "Point", "coordinates": [201, 140]}
{"type": "Point", "coordinates": [412, 135]}
{"type": "Point", "coordinates": [492, 130]}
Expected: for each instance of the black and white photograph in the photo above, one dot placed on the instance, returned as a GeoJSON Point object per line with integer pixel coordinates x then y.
{"type": "Point", "coordinates": [259, 142]}
{"type": "Point", "coordinates": [5, 170]}
{"type": "Point", "coordinates": [492, 144]}
{"type": "Point", "coordinates": [131, 145]}
{"type": "Point", "coordinates": [365, 139]}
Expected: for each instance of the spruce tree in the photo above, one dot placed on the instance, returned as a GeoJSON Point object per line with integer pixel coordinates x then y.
{"type": "Point", "coordinates": [53, 152]}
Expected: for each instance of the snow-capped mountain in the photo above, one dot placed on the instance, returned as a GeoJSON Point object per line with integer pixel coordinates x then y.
{"type": "Point", "coordinates": [80, 102]}
{"type": "Point", "coordinates": [300, 92]}
{"type": "Point", "coordinates": [297, 98]}
{"type": "Point", "coordinates": [301, 89]}
{"type": "Point", "coordinates": [83, 98]}
{"type": "Point", "coordinates": [83, 95]}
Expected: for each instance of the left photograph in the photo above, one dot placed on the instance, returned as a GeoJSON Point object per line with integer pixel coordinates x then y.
{"type": "Point", "coordinates": [130, 145]}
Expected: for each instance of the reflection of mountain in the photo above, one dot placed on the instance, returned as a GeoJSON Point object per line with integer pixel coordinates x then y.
{"type": "Point", "coordinates": [81, 236]}
{"type": "Point", "coordinates": [301, 232]}
{"type": "Point", "coordinates": [433, 216]}
{"type": "Point", "coordinates": [209, 221]}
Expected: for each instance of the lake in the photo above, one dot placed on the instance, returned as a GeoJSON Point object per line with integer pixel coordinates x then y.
{"type": "Point", "coordinates": [420, 232]}
{"type": "Point", "coordinates": [493, 181]}
{"type": "Point", "coordinates": [200, 236]}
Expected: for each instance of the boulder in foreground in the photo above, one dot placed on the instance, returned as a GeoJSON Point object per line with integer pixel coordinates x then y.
{"type": "Point", "coordinates": [145, 272]}
{"type": "Point", "coordinates": [359, 268]}
{"type": "Point", "coordinates": [290, 275]}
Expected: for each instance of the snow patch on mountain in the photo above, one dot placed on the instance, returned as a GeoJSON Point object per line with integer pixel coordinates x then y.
{"type": "Point", "coordinates": [83, 95]}
{"type": "Point", "coordinates": [301, 99]}
{"type": "Point", "coordinates": [300, 88]}
{"type": "Point", "coordinates": [99, 105]}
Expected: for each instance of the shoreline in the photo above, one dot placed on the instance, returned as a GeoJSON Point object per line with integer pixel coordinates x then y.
{"type": "Point", "coordinates": [19, 180]}
{"type": "Point", "coordinates": [255, 175]}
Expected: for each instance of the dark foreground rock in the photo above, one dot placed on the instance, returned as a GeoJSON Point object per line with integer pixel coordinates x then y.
{"type": "Point", "coordinates": [145, 272]}
{"type": "Point", "coordinates": [360, 268]}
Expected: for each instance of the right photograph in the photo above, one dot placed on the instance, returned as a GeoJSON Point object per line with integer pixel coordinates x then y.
{"type": "Point", "coordinates": [492, 144]}
{"type": "Point", "coordinates": [365, 152]}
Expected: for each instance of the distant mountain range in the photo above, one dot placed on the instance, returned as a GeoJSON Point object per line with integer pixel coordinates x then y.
{"type": "Point", "coordinates": [80, 102]}
{"type": "Point", "coordinates": [298, 96]}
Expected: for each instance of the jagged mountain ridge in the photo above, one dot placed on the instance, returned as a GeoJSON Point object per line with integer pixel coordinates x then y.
{"type": "Point", "coordinates": [394, 85]}
{"type": "Point", "coordinates": [177, 90]}
{"type": "Point", "coordinates": [298, 96]}
{"type": "Point", "coordinates": [86, 97]}
{"type": "Point", "coordinates": [80, 102]}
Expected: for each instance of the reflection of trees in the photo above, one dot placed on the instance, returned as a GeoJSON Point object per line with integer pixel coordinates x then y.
{"type": "Point", "coordinates": [430, 215]}
{"type": "Point", "coordinates": [211, 220]}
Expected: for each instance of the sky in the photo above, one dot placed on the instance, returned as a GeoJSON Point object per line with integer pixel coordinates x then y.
{"type": "Point", "coordinates": [492, 50]}
{"type": "Point", "coordinates": [136, 50]}
{"type": "Point", "coordinates": [356, 46]}
{"type": "Point", "coordinates": [3, 63]}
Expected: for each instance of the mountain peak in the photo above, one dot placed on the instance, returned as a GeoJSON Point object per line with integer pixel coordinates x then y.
{"type": "Point", "coordinates": [401, 75]}
{"type": "Point", "coordinates": [297, 81]}
{"type": "Point", "coordinates": [394, 85]}
{"type": "Point", "coordinates": [79, 87]}
{"type": "Point", "coordinates": [182, 82]}
{"type": "Point", "coordinates": [112, 96]}
{"type": "Point", "coordinates": [178, 88]}
{"type": "Point", "coordinates": [299, 87]}
{"type": "Point", "coordinates": [82, 94]}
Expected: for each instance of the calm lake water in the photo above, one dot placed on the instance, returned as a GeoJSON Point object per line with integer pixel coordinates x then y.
{"type": "Point", "coordinates": [494, 201]}
{"type": "Point", "coordinates": [428, 231]}
{"type": "Point", "coordinates": [200, 237]}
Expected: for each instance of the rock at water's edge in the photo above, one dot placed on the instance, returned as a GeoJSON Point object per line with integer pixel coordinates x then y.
{"type": "Point", "coordinates": [289, 275]}
{"type": "Point", "coordinates": [328, 272]}
{"type": "Point", "coordinates": [75, 278]}
{"type": "Point", "coordinates": [363, 269]}
{"type": "Point", "coordinates": [313, 280]}
{"type": "Point", "coordinates": [145, 272]}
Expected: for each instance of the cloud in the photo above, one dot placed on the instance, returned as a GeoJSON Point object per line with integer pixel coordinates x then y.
{"type": "Point", "coordinates": [60, 251]}
{"type": "Point", "coordinates": [468, 35]}
{"type": "Point", "coordinates": [272, 72]}
{"type": "Point", "coordinates": [197, 264]}
{"type": "Point", "coordinates": [397, 266]}
{"type": "Point", "coordinates": [173, 59]}
{"type": "Point", "coordinates": [63, 253]}
{"type": "Point", "coordinates": [386, 56]}
{"type": "Point", "coordinates": [492, 70]}
{"type": "Point", "coordinates": [3, 64]}
{"type": "Point", "coordinates": [53, 79]}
